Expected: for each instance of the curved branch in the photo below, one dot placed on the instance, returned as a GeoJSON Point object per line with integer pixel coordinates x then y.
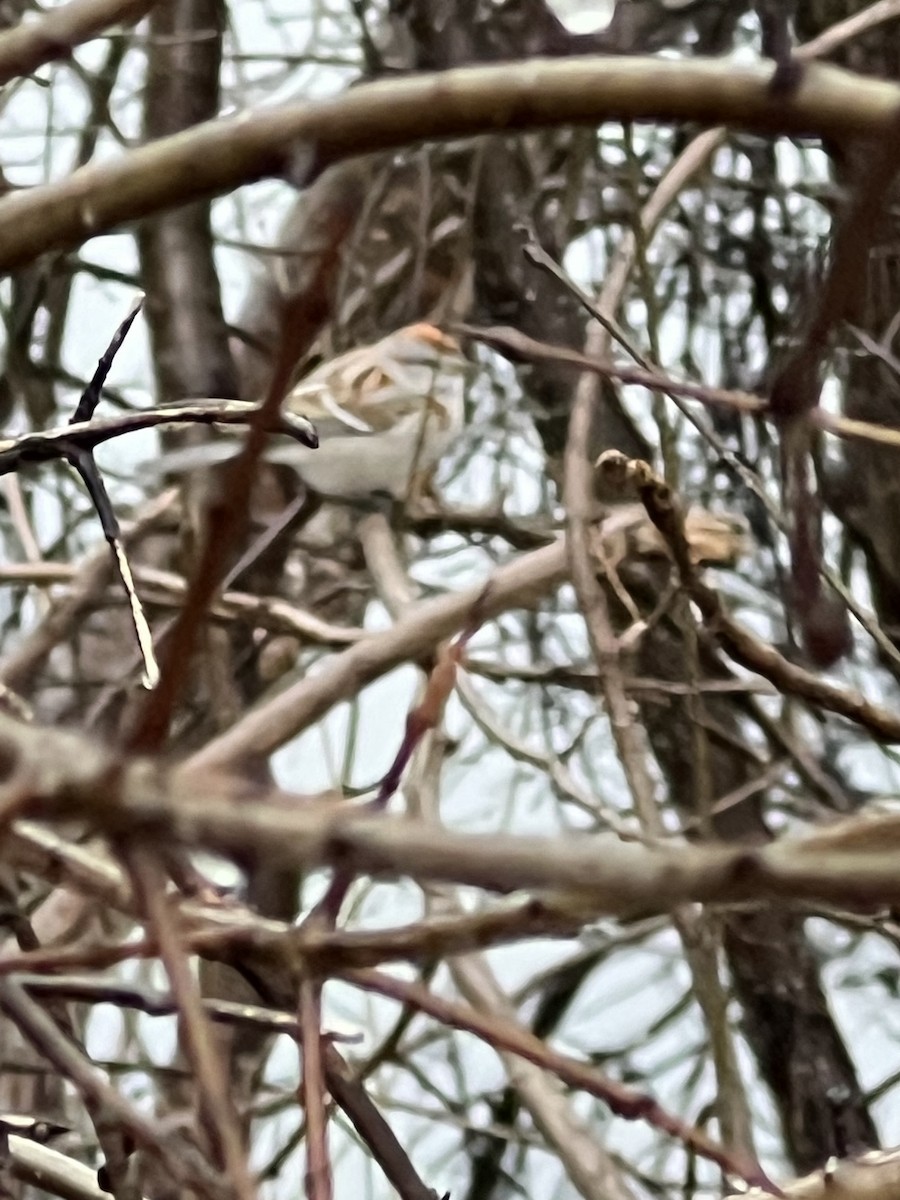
{"type": "Point", "coordinates": [299, 141]}
{"type": "Point", "coordinates": [33, 43]}
{"type": "Point", "coordinates": [41, 446]}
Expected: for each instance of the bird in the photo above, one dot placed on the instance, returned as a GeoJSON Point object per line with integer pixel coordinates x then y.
{"type": "Point", "coordinates": [385, 414]}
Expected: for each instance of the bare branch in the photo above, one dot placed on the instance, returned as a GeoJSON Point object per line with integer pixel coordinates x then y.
{"type": "Point", "coordinates": [519, 584]}
{"type": "Point", "coordinates": [57, 33]}
{"type": "Point", "coordinates": [300, 141]}
{"type": "Point", "coordinates": [502, 1034]}
{"type": "Point", "coordinates": [59, 775]}
{"type": "Point", "coordinates": [45, 445]}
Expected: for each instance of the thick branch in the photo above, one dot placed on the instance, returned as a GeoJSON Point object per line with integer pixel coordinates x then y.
{"type": "Point", "coordinates": [61, 775]}
{"type": "Point", "coordinates": [299, 141]}
{"type": "Point", "coordinates": [55, 35]}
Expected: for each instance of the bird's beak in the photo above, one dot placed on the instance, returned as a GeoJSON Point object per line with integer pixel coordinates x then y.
{"type": "Point", "coordinates": [300, 429]}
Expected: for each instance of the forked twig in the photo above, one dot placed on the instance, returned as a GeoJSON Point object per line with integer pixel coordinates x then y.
{"type": "Point", "coordinates": [77, 441]}
{"type": "Point", "coordinates": [81, 459]}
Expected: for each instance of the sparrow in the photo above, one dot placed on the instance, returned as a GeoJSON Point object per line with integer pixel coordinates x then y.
{"type": "Point", "coordinates": [385, 414]}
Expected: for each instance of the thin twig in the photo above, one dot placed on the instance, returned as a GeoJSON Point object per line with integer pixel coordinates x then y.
{"type": "Point", "coordinates": [216, 1108]}
{"type": "Point", "coordinates": [623, 1101]}
{"type": "Point", "coordinates": [38, 1028]}
{"type": "Point", "coordinates": [81, 459]}
{"type": "Point", "coordinates": [260, 731]}
{"type": "Point", "coordinates": [318, 1179]}
{"type": "Point", "coordinates": [23, 662]}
